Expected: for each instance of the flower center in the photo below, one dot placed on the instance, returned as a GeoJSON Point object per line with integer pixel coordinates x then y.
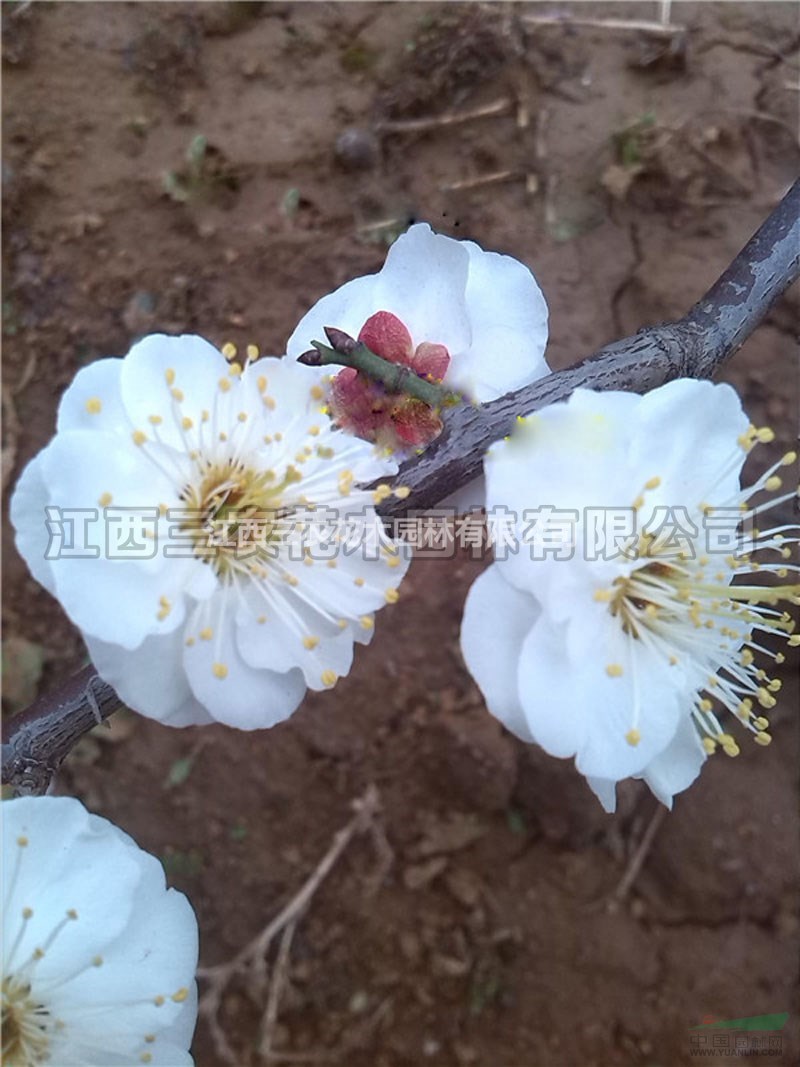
{"type": "Point", "coordinates": [24, 1025]}
{"type": "Point", "coordinates": [686, 616]}
{"type": "Point", "coordinates": [235, 513]}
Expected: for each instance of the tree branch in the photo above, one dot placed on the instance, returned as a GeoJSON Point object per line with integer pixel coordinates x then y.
{"type": "Point", "coordinates": [38, 739]}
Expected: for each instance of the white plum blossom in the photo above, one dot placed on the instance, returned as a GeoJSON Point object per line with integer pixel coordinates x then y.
{"type": "Point", "coordinates": [236, 559]}
{"type": "Point", "coordinates": [485, 309]}
{"type": "Point", "coordinates": [629, 652]}
{"type": "Point", "coordinates": [99, 957]}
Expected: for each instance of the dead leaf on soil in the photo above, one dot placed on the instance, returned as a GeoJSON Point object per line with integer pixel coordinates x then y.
{"type": "Point", "coordinates": [22, 671]}
{"type": "Point", "coordinates": [458, 830]}
{"type": "Point", "coordinates": [617, 179]}
{"type": "Point", "coordinates": [11, 435]}
{"type": "Point", "coordinates": [418, 875]}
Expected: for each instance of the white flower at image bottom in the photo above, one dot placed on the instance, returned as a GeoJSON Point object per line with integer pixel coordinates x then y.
{"type": "Point", "coordinates": [197, 598]}
{"type": "Point", "coordinates": [635, 650]}
{"type": "Point", "coordinates": [99, 957]}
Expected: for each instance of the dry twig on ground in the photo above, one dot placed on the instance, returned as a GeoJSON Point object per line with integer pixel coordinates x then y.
{"type": "Point", "coordinates": [251, 961]}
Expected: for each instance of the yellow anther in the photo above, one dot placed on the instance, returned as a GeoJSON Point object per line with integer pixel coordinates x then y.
{"type": "Point", "coordinates": [224, 385]}
{"type": "Point", "coordinates": [154, 420]}
{"type": "Point", "coordinates": [169, 376]}
{"type": "Point", "coordinates": [220, 671]}
{"type": "Point", "coordinates": [614, 670]}
{"type": "Point", "coordinates": [367, 622]}
{"type": "Point", "coordinates": [402, 492]}
{"type": "Point", "coordinates": [342, 624]}
{"type": "Point", "coordinates": [262, 383]}
{"type": "Point", "coordinates": [252, 352]}
{"type": "Point", "coordinates": [270, 405]}
{"type": "Point", "coordinates": [603, 595]}
{"type": "Point", "coordinates": [779, 657]}
{"type": "Point", "coordinates": [310, 642]}
{"type": "Point", "coordinates": [72, 914]}
{"type": "Point", "coordinates": [788, 459]}
{"type": "Point", "coordinates": [766, 699]}
{"type": "Point", "coordinates": [261, 619]}
{"type": "Point", "coordinates": [331, 564]}
{"type": "Point", "coordinates": [229, 350]}
{"type": "Point", "coordinates": [278, 435]}
{"type": "Point", "coordinates": [317, 392]}
{"type": "Point", "coordinates": [760, 722]}
{"type": "Point", "coordinates": [762, 738]}
{"type": "Point", "coordinates": [189, 642]}
{"type": "Point", "coordinates": [104, 500]}
{"type": "Point", "coordinates": [638, 503]}
{"type": "Point", "coordinates": [773, 483]}
{"type": "Point", "coordinates": [633, 737]}
{"type": "Point", "coordinates": [324, 452]}
{"type": "Point", "coordinates": [235, 370]}
{"type": "Point", "coordinates": [653, 483]}
{"type": "Point", "coordinates": [139, 437]}
{"type": "Point", "coordinates": [206, 633]}
{"type": "Point", "coordinates": [177, 395]}
{"type": "Point", "coordinates": [775, 685]}
{"type": "Point", "coordinates": [145, 1057]}
{"type": "Point", "coordinates": [393, 561]}
{"type": "Point", "coordinates": [186, 422]}
{"type": "Point", "coordinates": [97, 961]}
{"type": "Point", "coordinates": [391, 596]}
{"type": "Point", "coordinates": [204, 416]}
{"type": "Point", "coordinates": [94, 405]}
{"type": "Point", "coordinates": [709, 745]}
{"type": "Point", "coordinates": [314, 431]}
{"type": "Point", "coordinates": [705, 704]}
{"type": "Point", "coordinates": [180, 995]}
{"type": "Point", "coordinates": [329, 678]}
{"type": "Point", "coordinates": [765, 435]}
{"type": "Point", "coordinates": [673, 661]}
{"type": "Point", "coordinates": [359, 582]}
{"type": "Point", "coordinates": [242, 416]}
{"type": "Point", "coordinates": [381, 493]}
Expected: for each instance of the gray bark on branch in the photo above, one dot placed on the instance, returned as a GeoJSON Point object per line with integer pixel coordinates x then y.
{"type": "Point", "coordinates": [39, 738]}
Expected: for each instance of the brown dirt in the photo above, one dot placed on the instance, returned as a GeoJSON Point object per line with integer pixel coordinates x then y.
{"type": "Point", "coordinates": [503, 951]}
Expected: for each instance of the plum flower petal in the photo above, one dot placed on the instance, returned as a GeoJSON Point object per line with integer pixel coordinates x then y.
{"type": "Point", "coordinates": [485, 309]}
{"type": "Point", "coordinates": [99, 957]}
{"type": "Point", "coordinates": [202, 523]}
{"type": "Point", "coordinates": [629, 635]}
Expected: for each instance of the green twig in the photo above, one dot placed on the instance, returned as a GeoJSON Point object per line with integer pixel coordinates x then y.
{"type": "Point", "coordinates": [393, 376]}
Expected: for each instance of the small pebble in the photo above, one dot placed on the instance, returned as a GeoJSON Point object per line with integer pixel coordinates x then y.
{"type": "Point", "coordinates": [357, 149]}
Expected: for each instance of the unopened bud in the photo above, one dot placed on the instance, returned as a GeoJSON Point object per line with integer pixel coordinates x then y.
{"type": "Point", "coordinates": [340, 340]}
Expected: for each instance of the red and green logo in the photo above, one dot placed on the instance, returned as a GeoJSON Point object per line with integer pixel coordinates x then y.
{"type": "Point", "coordinates": [752, 1022]}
